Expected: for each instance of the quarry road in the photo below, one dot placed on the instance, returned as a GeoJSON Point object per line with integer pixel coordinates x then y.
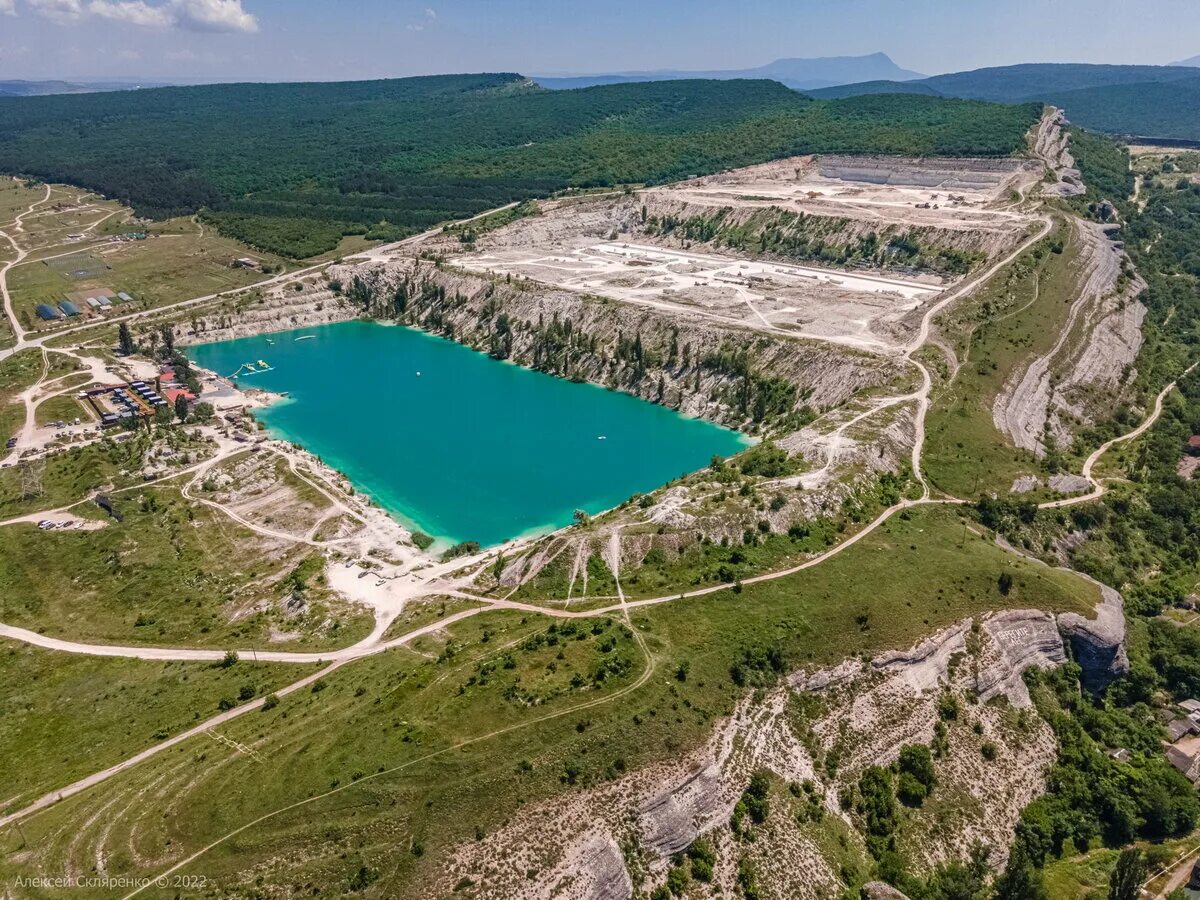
{"type": "Point", "coordinates": [1099, 490]}
{"type": "Point", "coordinates": [922, 337]}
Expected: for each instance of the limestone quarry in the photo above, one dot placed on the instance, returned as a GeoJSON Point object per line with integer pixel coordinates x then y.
{"type": "Point", "coordinates": [790, 300]}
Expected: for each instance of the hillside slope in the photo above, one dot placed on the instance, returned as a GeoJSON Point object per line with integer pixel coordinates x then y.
{"type": "Point", "coordinates": [1158, 101]}
{"type": "Point", "coordinates": [291, 168]}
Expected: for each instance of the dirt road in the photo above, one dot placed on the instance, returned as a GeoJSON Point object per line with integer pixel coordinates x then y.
{"type": "Point", "coordinates": [9, 312]}
{"type": "Point", "coordinates": [1098, 490]}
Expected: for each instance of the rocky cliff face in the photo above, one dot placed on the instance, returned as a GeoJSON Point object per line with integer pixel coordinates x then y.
{"type": "Point", "coordinates": [703, 368]}
{"type": "Point", "coordinates": [821, 729]}
{"type": "Point", "coordinates": [1099, 644]}
{"type": "Point", "coordinates": [1075, 383]}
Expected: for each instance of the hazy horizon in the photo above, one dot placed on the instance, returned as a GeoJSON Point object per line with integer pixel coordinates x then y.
{"type": "Point", "coordinates": [194, 41]}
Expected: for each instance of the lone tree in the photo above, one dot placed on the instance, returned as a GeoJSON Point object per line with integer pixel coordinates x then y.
{"type": "Point", "coordinates": [1125, 883]}
{"type": "Point", "coordinates": [125, 340]}
{"type": "Point", "coordinates": [168, 339]}
{"type": "Point", "coordinates": [181, 407]}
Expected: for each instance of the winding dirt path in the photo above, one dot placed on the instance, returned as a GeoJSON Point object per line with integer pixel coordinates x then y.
{"type": "Point", "coordinates": [1099, 490]}
{"type": "Point", "coordinates": [21, 253]}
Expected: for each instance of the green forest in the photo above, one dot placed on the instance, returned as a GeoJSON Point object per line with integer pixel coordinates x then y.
{"type": "Point", "coordinates": [291, 168]}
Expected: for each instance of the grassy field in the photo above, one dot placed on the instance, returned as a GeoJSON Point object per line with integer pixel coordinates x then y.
{"type": "Point", "coordinates": [995, 333]}
{"type": "Point", "coordinates": [17, 373]}
{"type": "Point", "coordinates": [63, 717]}
{"type": "Point", "coordinates": [418, 614]}
{"type": "Point", "coordinates": [15, 198]}
{"type": "Point", "coordinates": [178, 261]}
{"type": "Point", "coordinates": [66, 477]}
{"type": "Point", "coordinates": [406, 787]}
{"type": "Point", "coordinates": [171, 573]}
{"type": "Point", "coordinates": [63, 408]}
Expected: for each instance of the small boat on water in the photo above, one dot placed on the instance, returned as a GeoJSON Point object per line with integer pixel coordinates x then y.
{"type": "Point", "coordinates": [602, 437]}
{"type": "Point", "coordinates": [306, 337]}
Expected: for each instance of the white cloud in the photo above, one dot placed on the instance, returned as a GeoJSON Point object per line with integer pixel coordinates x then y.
{"type": "Point", "coordinates": [58, 10]}
{"type": "Point", "coordinates": [212, 15]}
{"type": "Point", "coordinates": [192, 15]}
{"type": "Point", "coordinates": [428, 17]}
{"type": "Point", "coordinates": [135, 12]}
{"type": "Point", "coordinates": [8, 7]}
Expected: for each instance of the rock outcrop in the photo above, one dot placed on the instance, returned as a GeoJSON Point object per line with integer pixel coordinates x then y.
{"type": "Point", "coordinates": [877, 890]}
{"type": "Point", "coordinates": [1098, 644]}
{"type": "Point", "coordinates": [1076, 381]}
{"type": "Point", "coordinates": [618, 838]}
{"type": "Point", "coordinates": [1021, 640]}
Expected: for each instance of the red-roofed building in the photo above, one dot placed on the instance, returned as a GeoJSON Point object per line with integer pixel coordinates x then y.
{"type": "Point", "coordinates": [170, 395]}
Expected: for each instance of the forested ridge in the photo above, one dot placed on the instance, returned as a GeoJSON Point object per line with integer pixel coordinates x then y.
{"type": "Point", "coordinates": [1153, 101]}
{"type": "Point", "coordinates": [291, 168]}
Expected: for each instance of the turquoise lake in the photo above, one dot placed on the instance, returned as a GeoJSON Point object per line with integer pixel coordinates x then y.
{"type": "Point", "coordinates": [470, 448]}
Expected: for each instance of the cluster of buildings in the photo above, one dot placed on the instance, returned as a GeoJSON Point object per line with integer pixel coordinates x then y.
{"type": "Point", "coordinates": [68, 308]}
{"type": "Point", "coordinates": [1183, 737]}
{"type": "Point", "coordinates": [123, 403]}
{"type": "Point", "coordinates": [119, 404]}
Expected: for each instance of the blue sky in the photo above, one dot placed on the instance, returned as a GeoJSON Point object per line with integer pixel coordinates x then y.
{"type": "Point", "coordinates": [222, 40]}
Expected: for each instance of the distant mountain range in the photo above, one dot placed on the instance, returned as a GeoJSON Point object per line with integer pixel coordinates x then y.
{"type": "Point", "coordinates": [799, 74]}
{"type": "Point", "coordinates": [42, 88]}
{"type": "Point", "coordinates": [1145, 101]}
{"type": "Point", "coordinates": [1191, 61]}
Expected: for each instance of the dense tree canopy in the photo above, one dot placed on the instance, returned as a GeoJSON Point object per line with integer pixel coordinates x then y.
{"type": "Point", "coordinates": [293, 167]}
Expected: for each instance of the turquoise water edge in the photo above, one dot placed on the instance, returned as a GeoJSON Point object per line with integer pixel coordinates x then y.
{"type": "Point", "coordinates": [454, 443]}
